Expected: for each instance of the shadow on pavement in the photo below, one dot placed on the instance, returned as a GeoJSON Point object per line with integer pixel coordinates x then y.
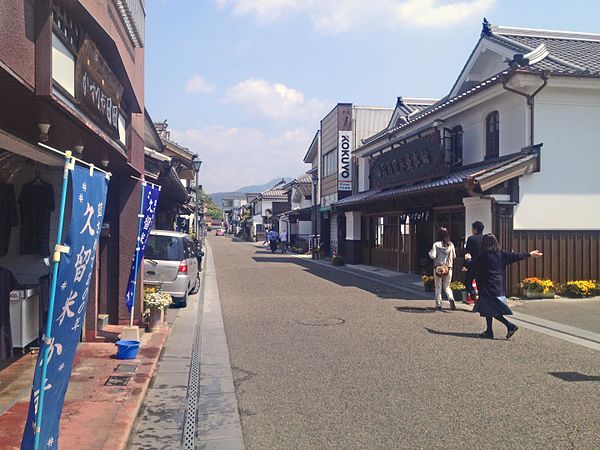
{"type": "Point", "coordinates": [454, 333]}
{"type": "Point", "coordinates": [574, 376]}
{"type": "Point", "coordinates": [343, 279]}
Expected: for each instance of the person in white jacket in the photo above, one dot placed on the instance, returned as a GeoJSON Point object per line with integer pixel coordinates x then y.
{"type": "Point", "coordinates": [443, 254]}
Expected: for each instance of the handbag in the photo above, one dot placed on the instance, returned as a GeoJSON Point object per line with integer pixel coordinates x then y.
{"type": "Point", "coordinates": [444, 269]}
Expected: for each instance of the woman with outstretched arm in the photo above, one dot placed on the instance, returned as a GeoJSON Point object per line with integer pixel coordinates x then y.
{"type": "Point", "coordinates": [489, 269]}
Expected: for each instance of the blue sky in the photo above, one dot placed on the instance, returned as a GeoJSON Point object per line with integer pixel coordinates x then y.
{"type": "Point", "coordinates": [244, 83]}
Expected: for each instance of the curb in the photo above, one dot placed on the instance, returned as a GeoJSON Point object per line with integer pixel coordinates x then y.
{"type": "Point", "coordinates": [123, 439]}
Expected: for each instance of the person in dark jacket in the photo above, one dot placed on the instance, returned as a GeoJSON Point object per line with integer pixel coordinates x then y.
{"type": "Point", "coordinates": [473, 248]}
{"type": "Point", "coordinates": [489, 272]}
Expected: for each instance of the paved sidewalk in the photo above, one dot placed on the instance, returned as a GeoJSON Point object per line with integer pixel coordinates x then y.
{"type": "Point", "coordinates": [579, 313]}
{"type": "Point", "coordinates": [219, 423]}
{"type": "Point", "coordinates": [95, 416]}
{"type": "Point", "coordinates": [192, 402]}
{"type": "Point", "coordinates": [162, 417]}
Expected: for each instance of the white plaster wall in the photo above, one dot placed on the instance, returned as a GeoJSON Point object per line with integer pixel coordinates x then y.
{"type": "Point", "coordinates": [477, 209]}
{"type": "Point", "coordinates": [363, 174]}
{"type": "Point", "coordinates": [512, 111]}
{"type": "Point", "coordinates": [353, 226]}
{"type": "Point", "coordinates": [304, 227]}
{"type": "Point", "coordinates": [566, 193]}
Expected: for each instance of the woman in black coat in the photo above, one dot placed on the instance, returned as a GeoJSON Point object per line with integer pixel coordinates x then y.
{"type": "Point", "coordinates": [489, 273]}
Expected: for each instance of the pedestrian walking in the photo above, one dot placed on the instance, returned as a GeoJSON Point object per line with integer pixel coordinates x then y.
{"type": "Point", "coordinates": [443, 254]}
{"type": "Point", "coordinates": [284, 241]}
{"type": "Point", "coordinates": [267, 231]}
{"type": "Point", "coordinates": [489, 273]}
{"type": "Point", "coordinates": [473, 248]}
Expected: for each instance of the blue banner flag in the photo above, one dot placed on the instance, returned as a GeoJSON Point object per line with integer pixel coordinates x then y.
{"type": "Point", "coordinates": [78, 255]}
{"type": "Point", "coordinates": [148, 209]}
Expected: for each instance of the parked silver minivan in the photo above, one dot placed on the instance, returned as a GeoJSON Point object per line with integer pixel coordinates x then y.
{"type": "Point", "coordinates": [170, 261]}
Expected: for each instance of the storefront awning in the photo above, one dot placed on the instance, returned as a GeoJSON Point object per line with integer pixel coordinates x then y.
{"type": "Point", "coordinates": [478, 177]}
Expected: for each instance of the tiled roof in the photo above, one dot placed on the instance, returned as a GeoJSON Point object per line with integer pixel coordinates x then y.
{"type": "Point", "coordinates": [569, 52]}
{"type": "Point", "coordinates": [457, 177]}
{"type": "Point", "coordinates": [274, 192]}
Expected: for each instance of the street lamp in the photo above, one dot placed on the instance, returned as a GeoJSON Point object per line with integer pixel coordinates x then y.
{"type": "Point", "coordinates": [197, 163]}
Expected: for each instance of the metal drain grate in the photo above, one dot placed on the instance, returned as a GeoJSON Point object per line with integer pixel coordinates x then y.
{"type": "Point", "coordinates": [126, 368]}
{"type": "Point", "coordinates": [117, 380]}
{"type": "Point", "coordinates": [189, 430]}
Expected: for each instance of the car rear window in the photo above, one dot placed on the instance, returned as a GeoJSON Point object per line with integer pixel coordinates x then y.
{"type": "Point", "coordinates": [166, 248]}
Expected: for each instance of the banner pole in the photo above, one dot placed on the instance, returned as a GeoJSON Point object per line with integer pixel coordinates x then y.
{"type": "Point", "coordinates": [137, 251]}
{"type": "Point", "coordinates": [48, 331]}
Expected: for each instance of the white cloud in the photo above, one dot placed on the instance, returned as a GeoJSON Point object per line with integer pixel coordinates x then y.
{"type": "Point", "coordinates": [234, 157]}
{"type": "Point", "coordinates": [277, 101]}
{"type": "Point", "coordinates": [198, 84]}
{"type": "Point", "coordinates": [334, 16]}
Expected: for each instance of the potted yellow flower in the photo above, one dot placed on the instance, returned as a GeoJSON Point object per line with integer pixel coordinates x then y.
{"type": "Point", "coordinates": [534, 287]}
{"type": "Point", "coordinates": [428, 283]}
{"type": "Point", "coordinates": [155, 303]}
{"type": "Point", "coordinates": [581, 288]}
{"type": "Point", "coordinates": [458, 290]}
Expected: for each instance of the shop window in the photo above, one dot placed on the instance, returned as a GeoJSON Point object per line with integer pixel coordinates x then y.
{"type": "Point", "coordinates": [329, 163]}
{"type": "Point", "coordinates": [122, 129]}
{"type": "Point", "coordinates": [63, 65]}
{"type": "Point", "coordinates": [492, 135]}
{"type": "Point", "coordinates": [456, 146]}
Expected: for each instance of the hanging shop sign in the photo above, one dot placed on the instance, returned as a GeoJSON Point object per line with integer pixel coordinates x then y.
{"type": "Point", "coordinates": [75, 267]}
{"type": "Point", "coordinates": [416, 161]}
{"type": "Point", "coordinates": [97, 87]}
{"type": "Point", "coordinates": [417, 216]}
{"type": "Point", "coordinates": [150, 194]}
{"type": "Point", "coordinates": [345, 161]}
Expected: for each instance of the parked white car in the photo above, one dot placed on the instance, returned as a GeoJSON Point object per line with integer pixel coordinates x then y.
{"type": "Point", "coordinates": [171, 262]}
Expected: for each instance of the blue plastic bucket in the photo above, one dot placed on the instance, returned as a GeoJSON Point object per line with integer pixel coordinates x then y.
{"type": "Point", "coordinates": [127, 349]}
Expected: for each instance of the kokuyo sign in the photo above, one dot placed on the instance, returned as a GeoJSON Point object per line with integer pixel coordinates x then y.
{"type": "Point", "coordinates": [345, 161]}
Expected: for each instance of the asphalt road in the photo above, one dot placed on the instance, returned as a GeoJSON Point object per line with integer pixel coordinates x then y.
{"type": "Point", "coordinates": [322, 359]}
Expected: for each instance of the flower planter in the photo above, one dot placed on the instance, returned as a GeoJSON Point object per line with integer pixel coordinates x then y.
{"type": "Point", "coordinates": [459, 296]}
{"type": "Point", "coordinates": [155, 319]}
{"type": "Point", "coordinates": [527, 293]}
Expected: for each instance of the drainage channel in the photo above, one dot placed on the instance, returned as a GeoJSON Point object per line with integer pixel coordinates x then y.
{"type": "Point", "coordinates": [189, 430]}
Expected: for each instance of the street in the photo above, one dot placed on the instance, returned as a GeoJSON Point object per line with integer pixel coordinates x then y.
{"type": "Point", "coordinates": [322, 360]}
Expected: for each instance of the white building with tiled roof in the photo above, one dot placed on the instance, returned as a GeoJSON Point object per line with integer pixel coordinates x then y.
{"type": "Point", "coordinates": [515, 143]}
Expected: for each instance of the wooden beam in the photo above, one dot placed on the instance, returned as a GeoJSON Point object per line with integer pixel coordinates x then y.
{"type": "Point", "coordinates": [43, 47]}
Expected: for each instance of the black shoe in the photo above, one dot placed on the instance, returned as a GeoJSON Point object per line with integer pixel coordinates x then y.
{"type": "Point", "coordinates": [486, 335]}
{"type": "Point", "coordinates": [452, 305]}
{"type": "Point", "coordinates": [511, 332]}
{"type": "Point", "coordinates": [439, 308]}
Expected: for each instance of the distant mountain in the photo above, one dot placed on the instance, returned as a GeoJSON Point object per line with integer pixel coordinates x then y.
{"type": "Point", "coordinates": [263, 187]}
{"type": "Point", "coordinates": [217, 197]}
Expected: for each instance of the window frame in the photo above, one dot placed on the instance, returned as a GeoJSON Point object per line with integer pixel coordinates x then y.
{"type": "Point", "coordinates": [492, 136]}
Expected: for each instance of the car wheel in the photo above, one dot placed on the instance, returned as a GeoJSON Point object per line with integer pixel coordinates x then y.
{"type": "Point", "coordinates": [196, 287]}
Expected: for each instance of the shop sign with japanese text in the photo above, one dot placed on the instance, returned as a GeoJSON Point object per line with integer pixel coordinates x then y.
{"type": "Point", "coordinates": [97, 88]}
{"type": "Point", "coordinates": [416, 161]}
{"type": "Point", "coordinates": [75, 271]}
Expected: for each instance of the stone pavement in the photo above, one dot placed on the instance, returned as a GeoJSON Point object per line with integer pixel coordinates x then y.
{"type": "Point", "coordinates": [192, 402]}
{"type": "Point", "coordinates": [95, 416]}
{"type": "Point", "coordinates": [579, 313]}
{"type": "Point", "coordinates": [323, 358]}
